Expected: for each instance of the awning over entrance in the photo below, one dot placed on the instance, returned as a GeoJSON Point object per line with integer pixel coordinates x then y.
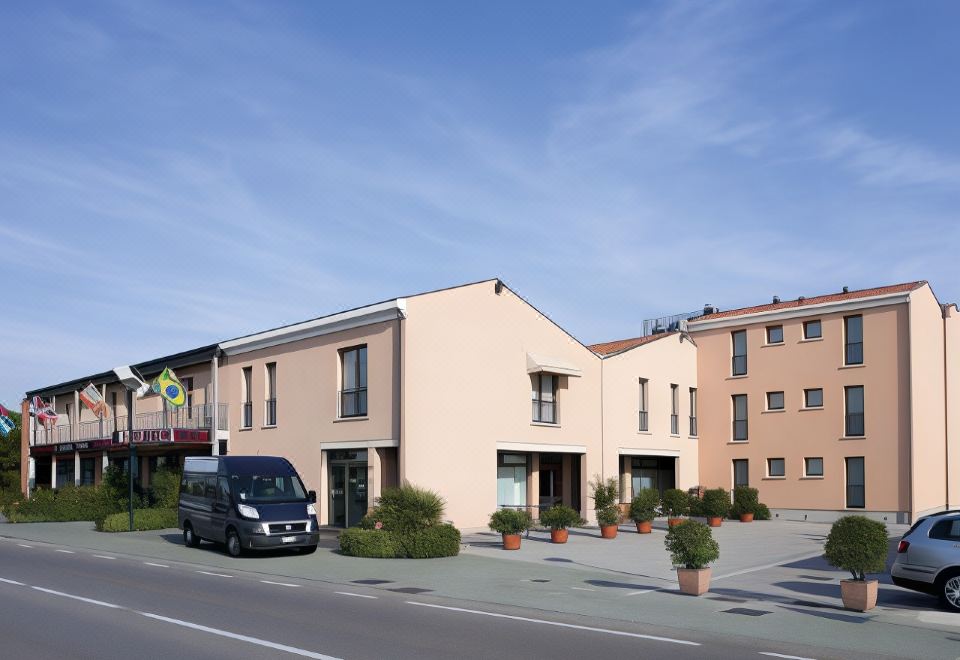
{"type": "Point", "coordinates": [543, 448]}
{"type": "Point", "coordinates": [550, 365]}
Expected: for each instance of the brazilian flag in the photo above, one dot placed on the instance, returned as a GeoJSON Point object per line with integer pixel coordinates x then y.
{"type": "Point", "coordinates": [171, 389]}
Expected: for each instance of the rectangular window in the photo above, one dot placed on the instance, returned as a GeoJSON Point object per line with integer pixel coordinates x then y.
{"type": "Point", "coordinates": [544, 398]}
{"type": "Point", "coordinates": [774, 334]}
{"type": "Point", "coordinates": [739, 417]}
{"type": "Point", "coordinates": [644, 418]}
{"type": "Point", "coordinates": [741, 472]}
{"type": "Point", "coordinates": [812, 330]}
{"type": "Point", "coordinates": [774, 400]}
{"type": "Point", "coordinates": [853, 337]}
{"type": "Point", "coordinates": [247, 410]}
{"type": "Point", "coordinates": [693, 411]}
{"type": "Point", "coordinates": [270, 411]}
{"type": "Point", "coordinates": [511, 480]}
{"type": "Point", "coordinates": [853, 398]}
{"type": "Point", "coordinates": [674, 409]}
{"type": "Point", "coordinates": [739, 366]}
{"type": "Point", "coordinates": [776, 467]}
{"type": "Point", "coordinates": [813, 467]}
{"type": "Point", "coordinates": [88, 467]}
{"type": "Point", "coordinates": [813, 398]}
{"type": "Point", "coordinates": [353, 370]}
{"type": "Point", "coordinates": [856, 483]}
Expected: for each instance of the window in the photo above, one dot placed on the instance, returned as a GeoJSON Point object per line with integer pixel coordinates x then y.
{"type": "Point", "coordinates": [946, 530]}
{"type": "Point", "coordinates": [853, 337]}
{"type": "Point", "coordinates": [853, 397]}
{"type": "Point", "coordinates": [88, 467]}
{"type": "Point", "coordinates": [511, 480]}
{"type": "Point", "coordinates": [188, 389]}
{"type": "Point", "coordinates": [353, 396]}
{"type": "Point", "coordinates": [774, 334]}
{"type": "Point", "coordinates": [693, 411]}
{"type": "Point", "coordinates": [856, 483]}
{"type": "Point", "coordinates": [739, 367]}
{"type": "Point", "coordinates": [776, 467]}
{"type": "Point", "coordinates": [270, 404]}
{"type": "Point", "coordinates": [644, 421]}
{"type": "Point", "coordinates": [741, 472]}
{"type": "Point", "coordinates": [813, 398]}
{"type": "Point", "coordinates": [247, 411]}
{"type": "Point", "coordinates": [739, 417]}
{"type": "Point", "coordinates": [812, 330]}
{"type": "Point", "coordinates": [544, 395]}
{"type": "Point", "coordinates": [774, 400]}
{"type": "Point", "coordinates": [674, 409]}
{"type": "Point", "coordinates": [813, 467]}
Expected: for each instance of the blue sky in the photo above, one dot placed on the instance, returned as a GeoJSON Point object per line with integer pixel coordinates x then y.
{"type": "Point", "coordinates": [173, 174]}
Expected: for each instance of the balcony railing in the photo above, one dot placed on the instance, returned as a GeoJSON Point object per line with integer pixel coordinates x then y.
{"type": "Point", "coordinates": [544, 412]}
{"type": "Point", "coordinates": [247, 413]}
{"type": "Point", "coordinates": [739, 366]}
{"type": "Point", "coordinates": [854, 425]}
{"type": "Point", "coordinates": [674, 424]}
{"type": "Point", "coordinates": [353, 402]}
{"type": "Point", "coordinates": [644, 420]}
{"type": "Point", "coordinates": [693, 426]}
{"type": "Point", "coordinates": [740, 430]}
{"type": "Point", "coordinates": [270, 412]}
{"type": "Point", "coordinates": [853, 353]}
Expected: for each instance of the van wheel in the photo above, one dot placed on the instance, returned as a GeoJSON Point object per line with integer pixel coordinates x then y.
{"type": "Point", "coordinates": [950, 592]}
{"type": "Point", "coordinates": [234, 548]}
{"type": "Point", "coordinates": [308, 550]}
{"type": "Point", "coordinates": [190, 539]}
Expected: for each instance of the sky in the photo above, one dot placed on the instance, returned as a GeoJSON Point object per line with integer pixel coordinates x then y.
{"type": "Point", "coordinates": [174, 174]}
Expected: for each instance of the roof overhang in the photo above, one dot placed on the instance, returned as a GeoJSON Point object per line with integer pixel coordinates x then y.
{"type": "Point", "coordinates": [550, 365]}
{"type": "Point", "coordinates": [537, 447]}
{"type": "Point", "coordinates": [354, 318]}
{"type": "Point", "coordinates": [832, 307]}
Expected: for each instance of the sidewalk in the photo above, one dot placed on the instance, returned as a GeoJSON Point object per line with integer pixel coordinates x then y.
{"type": "Point", "coordinates": [762, 589]}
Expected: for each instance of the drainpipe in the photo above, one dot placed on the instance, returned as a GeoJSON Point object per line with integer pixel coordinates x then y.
{"type": "Point", "coordinates": [946, 413]}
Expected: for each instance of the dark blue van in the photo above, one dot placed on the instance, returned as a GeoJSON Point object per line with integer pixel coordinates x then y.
{"type": "Point", "coordinates": [246, 503]}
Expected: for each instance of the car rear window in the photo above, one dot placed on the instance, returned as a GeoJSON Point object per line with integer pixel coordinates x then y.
{"type": "Point", "coordinates": [947, 530]}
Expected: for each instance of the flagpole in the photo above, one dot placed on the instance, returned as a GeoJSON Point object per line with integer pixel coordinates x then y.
{"type": "Point", "coordinates": [133, 452]}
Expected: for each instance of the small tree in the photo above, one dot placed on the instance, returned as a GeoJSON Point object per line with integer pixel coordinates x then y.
{"type": "Point", "coordinates": [676, 503]}
{"type": "Point", "coordinates": [745, 500]}
{"type": "Point", "coordinates": [408, 508]}
{"type": "Point", "coordinates": [857, 544]}
{"type": "Point", "coordinates": [561, 517]}
{"type": "Point", "coordinates": [606, 496]}
{"type": "Point", "coordinates": [510, 521]}
{"type": "Point", "coordinates": [644, 506]}
{"type": "Point", "coordinates": [716, 502]}
{"type": "Point", "coordinates": [691, 545]}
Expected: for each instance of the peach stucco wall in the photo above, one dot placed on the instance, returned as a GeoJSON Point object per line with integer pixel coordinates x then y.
{"type": "Point", "coordinates": [466, 388]}
{"type": "Point", "coordinates": [794, 433]}
{"type": "Point", "coordinates": [671, 360]}
{"type": "Point", "coordinates": [952, 333]}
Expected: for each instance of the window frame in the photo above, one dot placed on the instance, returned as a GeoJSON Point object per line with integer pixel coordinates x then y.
{"type": "Point", "coordinates": [644, 412]}
{"type": "Point", "coordinates": [733, 465]}
{"type": "Point", "coordinates": [783, 400]}
{"type": "Point", "coordinates": [358, 392]}
{"type": "Point", "coordinates": [847, 485]}
{"type": "Point", "coordinates": [746, 413]}
{"type": "Point", "coordinates": [847, 343]}
{"type": "Point", "coordinates": [774, 327]}
{"type": "Point", "coordinates": [783, 463]}
{"type": "Point", "coordinates": [806, 467]}
{"type": "Point", "coordinates": [806, 329]}
{"type": "Point", "coordinates": [734, 370]}
{"type": "Point", "coordinates": [538, 401]}
{"type": "Point", "coordinates": [806, 398]}
{"type": "Point", "coordinates": [674, 409]}
{"type": "Point", "coordinates": [246, 399]}
{"type": "Point", "coordinates": [847, 415]}
{"type": "Point", "coordinates": [693, 412]}
{"type": "Point", "coordinates": [270, 392]}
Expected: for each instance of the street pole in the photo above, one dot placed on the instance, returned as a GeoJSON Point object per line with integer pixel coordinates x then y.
{"type": "Point", "coordinates": [133, 451]}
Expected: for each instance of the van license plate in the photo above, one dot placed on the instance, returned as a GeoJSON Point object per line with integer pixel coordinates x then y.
{"type": "Point", "coordinates": [288, 539]}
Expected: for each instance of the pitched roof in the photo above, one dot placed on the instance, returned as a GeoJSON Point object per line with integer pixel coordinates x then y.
{"type": "Point", "coordinates": [609, 348]}
{"type": "Point", "coordinates": [816, 300]}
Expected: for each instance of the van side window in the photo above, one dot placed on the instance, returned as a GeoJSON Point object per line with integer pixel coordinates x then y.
{"type": "Point", "coordinates": [210, 488]}
{"type": "Point", "coordinates": [223, 489]}
{"type": "Point", "coordinates": [193, 485]}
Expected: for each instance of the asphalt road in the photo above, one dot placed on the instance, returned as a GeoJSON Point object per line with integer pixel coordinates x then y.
{"type": "Point", "coordinates": [61, 603]}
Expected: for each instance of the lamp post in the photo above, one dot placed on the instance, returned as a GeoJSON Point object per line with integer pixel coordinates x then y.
{"type": "Point", "coordinates": [133, 383]}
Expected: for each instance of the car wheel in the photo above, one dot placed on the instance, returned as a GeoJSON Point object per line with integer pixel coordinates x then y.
{"type": "Point", "coordinates": [190, 539]}
{"type": "Point", "coordinates": [234, 547]}
{"type": "Point", "coordinates": [950, 592]}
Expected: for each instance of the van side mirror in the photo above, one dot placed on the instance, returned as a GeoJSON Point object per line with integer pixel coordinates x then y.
{"type": "Point", "coordinates": [312, 496]}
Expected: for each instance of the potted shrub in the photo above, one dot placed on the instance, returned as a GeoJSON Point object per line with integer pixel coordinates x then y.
{"type": "Point", "coordinates": [716, 503]}
{"type": "Point", "coordinates": [859, 545]}
{"type": "Point", "coordinates": [605, 502]}
{"type": "Point", "coordinates": [643, 509]}
{"type": "Point", "coordinates": [692, 548]}
{"type": "Point", "coordinates": [746, 501]}
{"type": "Point", "coordinates": [510, 523]}
{"type": "Point", "coordinates": [558, 519]}
{"type": "Point", "coordinates": [676, 504]}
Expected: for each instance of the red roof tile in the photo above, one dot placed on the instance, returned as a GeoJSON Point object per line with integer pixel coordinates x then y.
{"type": "Point", "coordinates": [611, 347]}
{"type": "Point", "coordinates": [816, 300]}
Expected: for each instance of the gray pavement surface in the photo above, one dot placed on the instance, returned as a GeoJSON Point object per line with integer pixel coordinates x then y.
{"type": "Point", "coordinates": [765, 592]}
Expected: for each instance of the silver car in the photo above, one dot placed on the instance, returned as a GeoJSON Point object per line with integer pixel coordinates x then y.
{"type": "Point", "coordinates": [928, 558]}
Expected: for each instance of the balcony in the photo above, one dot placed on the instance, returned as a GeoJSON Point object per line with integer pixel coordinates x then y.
{"type": "Point", "coordinates": [544, 412]}
{"type": "Point", "coordinates": [693, 426]}
{"type": "Point", "coordinates": [674, 424]}
{"type": "Point", "coordinates": [193, 417]}
{"type": "Point", "coordinates": [644, 421]}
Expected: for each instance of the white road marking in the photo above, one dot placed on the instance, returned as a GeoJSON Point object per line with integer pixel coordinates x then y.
{"type": "Point", "coordinates": [605, 631]}
{"type": "Point", "coordinates": [66, 552]}
{"type": "Point", "coordinates": [104, 556]}
{"type": "Point", "coordinates": [582, 589]}
{"type": "Point", "coordinates": [80, 598]}
{"type": "Point", "coordinates": [753, 569]}
{"type": "Point", "coordinates": [243, 638]}
{"type": "Point", "coordinates": [348, 593]}
{"type": "Point", "coordinates": [640, 593]}
{"type": "Point", "coordinates": [780, 655]}
{"type": "Point", "coordinates": [19, 584]}
{"type": "Point", "coordinates": [215, 574]}
{"type": "Point", "coordinates": [280, 584]}
{"type": "Point", "coordinates": [150, 563]}
{"type": "Point", "coordinates": [24, 545]}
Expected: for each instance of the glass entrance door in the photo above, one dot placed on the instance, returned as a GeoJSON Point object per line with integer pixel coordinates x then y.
{"type": "Point", "coordinates": [347, 487]}
{"type": "Point", "coordinates": [338, 495]}
{"type": "Point", "coordinates": [356, 494]}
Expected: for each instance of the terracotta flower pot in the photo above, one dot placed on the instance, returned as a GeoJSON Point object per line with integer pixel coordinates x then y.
{"type": "Point", "coordinates": [714, 521]}
{"type": "Point", "coordinates": [746, 517]}
{"type": "Point", "coordinates": [559, 535]}
{"type": "Point", "coordinates": [694, 581]}
{"type": "Point", "coordinates": [673, 522]}
{"type": "Point", "coordinates": [511, 541]}
{"type": "Point", "coordinates": [644, 527]}
{"type": "Point", "coordinates": [608, 531]}
{"type": "Point", "coordinates": [859, 595]}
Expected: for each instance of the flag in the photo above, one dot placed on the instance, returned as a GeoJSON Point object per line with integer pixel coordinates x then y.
{"type": "Point", "coordinates": [43, 411]}
{"type": "Point", "coordinates": [94, 401]}
{"type": "Point", "coordinates": [6, 424]}
{"type": "Point", "coordinates": [171, 389]}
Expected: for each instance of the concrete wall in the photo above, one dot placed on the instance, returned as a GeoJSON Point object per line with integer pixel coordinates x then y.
{"type": "Point", "coordinates": [952, 376]}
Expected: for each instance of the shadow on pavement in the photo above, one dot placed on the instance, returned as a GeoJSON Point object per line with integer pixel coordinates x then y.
{"type": "Point", "coordinates": [619, 585]}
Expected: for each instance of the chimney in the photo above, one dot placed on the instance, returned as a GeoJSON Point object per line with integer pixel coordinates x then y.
{"type": "Point", "coordinates": [846, 289]}
{"type": "Point", "coordinates": [708, 309]}
{"type": "Point", "coordinates": [776, 299]}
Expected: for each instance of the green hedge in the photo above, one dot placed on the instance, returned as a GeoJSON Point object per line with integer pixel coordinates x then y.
{"type": "Point", "coordinates": [143, 519]}
{"type": "Point", "coordinates": [437, 541]}
{"type": "Point", "coordinates": [64, 504]}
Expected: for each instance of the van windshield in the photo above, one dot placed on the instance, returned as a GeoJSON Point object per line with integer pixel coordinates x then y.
{"type": "Point", "coordinates": [266, 489]}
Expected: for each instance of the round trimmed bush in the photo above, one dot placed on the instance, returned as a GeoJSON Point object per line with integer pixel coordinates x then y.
{"type": "Point", "coordinates": [561, 517]}
{"type": "Point", "coordinates": [857, 544]}
{"type": "Point", "coordinates": [676, 503]}
{"type": "Point", "coordinates": [606, 497]}
{"type": "Point", "coordinates": [408, 508]}
{"type": "Point", "coordinates": [644, 506]}
{"type": "Point", "coordinates": [691, 545]}
{"type": "Point", "coordinates": [763, 512]}
{"type": "Point", "coordinates": [510, 521]}
{"type": "Point", "coordinates": [357, 542]}
{"type": "Point", "coordinates": [716, 502]}
{"type": "Point", "coordinates": [745, 500]}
